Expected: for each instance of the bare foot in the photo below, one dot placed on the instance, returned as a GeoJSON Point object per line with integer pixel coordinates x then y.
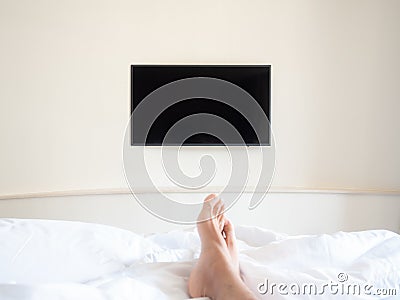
{"type": "Point", "coordinates": [230, 240]}
{"type": "Point", "coordinates": [216, 274]}
{"type": "Point", "coordinates": [213, 208]}
{"type": "Point", "coordinates": [228, 233]}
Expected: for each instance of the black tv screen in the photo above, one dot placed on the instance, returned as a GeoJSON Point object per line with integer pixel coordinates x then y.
{"type": "Point", "coordinates": [255, 80]}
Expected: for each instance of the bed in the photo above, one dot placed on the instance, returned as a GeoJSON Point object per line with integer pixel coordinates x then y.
{"type": "Point", "coordinates": [44, 259]}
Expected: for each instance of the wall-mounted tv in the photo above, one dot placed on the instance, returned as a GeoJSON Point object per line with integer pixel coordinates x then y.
{"type": "Point", "coordinates": [254, 79]}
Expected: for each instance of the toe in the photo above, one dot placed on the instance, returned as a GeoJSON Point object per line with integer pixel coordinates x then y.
{"type": "Point", "coordinates": [210, 197]}
{"type": "Point", "coordinates": [206, 212]}
{"type": "Point", "coordinates": [221, 222]}
{"type": "Point", "coordinates": [229, 233]}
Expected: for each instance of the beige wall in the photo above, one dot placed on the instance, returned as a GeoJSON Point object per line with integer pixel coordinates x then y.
{"type": "Point", "coordinates": [64, 75]}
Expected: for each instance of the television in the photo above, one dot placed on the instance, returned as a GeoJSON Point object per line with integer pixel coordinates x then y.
{"type": "Point", "coordinates": [254, 80]}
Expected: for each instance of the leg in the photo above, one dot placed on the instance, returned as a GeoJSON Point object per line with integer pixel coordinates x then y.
{"type": "Point", "coordinates": [216, 274]}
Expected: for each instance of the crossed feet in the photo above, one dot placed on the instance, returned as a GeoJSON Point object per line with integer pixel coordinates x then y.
{"type": "Point", "coordinates": [216, 274]}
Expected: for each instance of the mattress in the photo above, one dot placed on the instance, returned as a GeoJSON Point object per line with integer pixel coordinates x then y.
{"type": "Point", "coordinates": [44, 259]}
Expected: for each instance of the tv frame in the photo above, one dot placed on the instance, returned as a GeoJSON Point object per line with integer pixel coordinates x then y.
{"type": "Point", "coordinates": [268, 66]}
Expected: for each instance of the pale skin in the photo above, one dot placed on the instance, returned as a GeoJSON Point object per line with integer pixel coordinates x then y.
{"type": "Point", "coordinates": [216, 274]}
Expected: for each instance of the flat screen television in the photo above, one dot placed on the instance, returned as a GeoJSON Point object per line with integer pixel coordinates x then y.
{"type": "Point", "coordinates": [254, 79]}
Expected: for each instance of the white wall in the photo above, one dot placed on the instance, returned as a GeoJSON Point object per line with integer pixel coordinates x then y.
{"type": "Point", "coordinates": [292, 213]}
{"type": "Point", "coordinates": [64, 75]}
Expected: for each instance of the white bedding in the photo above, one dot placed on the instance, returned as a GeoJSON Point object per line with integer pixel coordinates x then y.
{"type": "Point", "coordinates": [41, 259]}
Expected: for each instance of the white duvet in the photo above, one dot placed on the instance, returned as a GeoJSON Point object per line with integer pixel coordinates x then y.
{"type": "Point", "coordinates": [41, 259]}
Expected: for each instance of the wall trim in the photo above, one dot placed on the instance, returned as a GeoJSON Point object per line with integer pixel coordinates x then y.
{"type": "Point", "coordinates": [125, 191]}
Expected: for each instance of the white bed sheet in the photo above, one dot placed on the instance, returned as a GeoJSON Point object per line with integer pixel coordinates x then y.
{"type": "Point", "coordinates": [43, 259]}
